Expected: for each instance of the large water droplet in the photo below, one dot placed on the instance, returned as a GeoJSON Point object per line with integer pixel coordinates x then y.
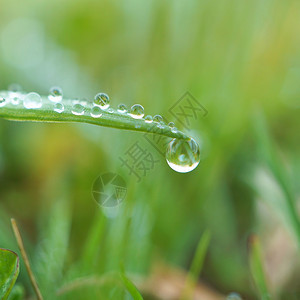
{"type": "Point", "coordinates": [183, 155]}
{"type": "Point", "coordinates": [32, 101]}
{"type": "Point", "coordinates": [137, 111]}
{"type": "Point", "coordinates": [2, 101]}
{"type": "Point", "coordinates": [102, 100]}
{"type": "Point", "coordinates": [96, 112]}
{"type": "Point", "coordinates": [55, 94]}
{"type": "Point", "coordinates": [148, 119]}
{"type": "Point", "coordinates": [78, 109]}
{"type": "Point", "coordinates": [122, 108]}
{"type": "Point", "coordinates": [59, 107]}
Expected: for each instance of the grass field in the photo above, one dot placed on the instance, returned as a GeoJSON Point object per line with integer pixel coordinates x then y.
{"type": "Point", "coordinates": [231, 225]}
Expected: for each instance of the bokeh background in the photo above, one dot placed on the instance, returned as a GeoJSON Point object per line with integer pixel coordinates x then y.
{"type": "Point", "coordinates": [240, 60]}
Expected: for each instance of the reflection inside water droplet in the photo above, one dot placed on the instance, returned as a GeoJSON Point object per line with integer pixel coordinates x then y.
{"type": "Point", "coordinates": [78, 109]}
{"type": "Point", "coordinates": [137, 111]}
{"type": "Point", "coordinates": [102, 100]}
{"type": "Point", "coordinates": [59, 107]}
{"type": "Point", "coordinates": [96, 112]}
{"type": "Point", "coordinates": [122, 108]}
{"type": "Point", "coordinates": [183, 155]}
{"type": "Point", "coordinates": [55, 94]}
{"type": "Point", "coordinates": [148, 119]}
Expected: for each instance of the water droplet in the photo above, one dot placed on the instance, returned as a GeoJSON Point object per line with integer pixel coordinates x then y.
{"type": "Point", "coordinates": [122, 108]}
{"type": "Point", "coordinates": [102, 100]}
{"type": "Point", "coordinates": [96, 112]}
{"type": "Point", "coordinates": [59, 107]}
{"type": "Point", "coordinates": [15, 100]}
{"type": "Point", "coordinates": [183, 155]}
{"type": "Point", "coordinates": [15, 88]}
{"type": "Point", "coordinates": [171, 125]}
{"type": "Point", "coordinates": [148, 119]}
{"type": "Point", "coordinates": [174, 129]}
{"type": "Point", "coordinates": [2, 101]}
{"type": "Point", "coordinates": [137, 126]}
{"type": "Point", "coordinates": [233, 296]}
{"type": "Point", "coordinates": [110, 110]}
{"type": "Point", "coordinates": [137, 111]}
{"type": "Point", "coordinates": [158, 118]}
{"type": "Point", "coordinates": [55, 94]}
{"type": "Point", "coordinates": [78, 109]}
{"type": "Point", "coordinates": [32, 101]}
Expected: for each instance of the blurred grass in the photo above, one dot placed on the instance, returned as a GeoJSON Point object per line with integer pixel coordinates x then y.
{"type": "Point", "coordinates": [234, 57]}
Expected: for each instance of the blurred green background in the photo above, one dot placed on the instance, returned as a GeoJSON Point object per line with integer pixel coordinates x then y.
{"type": "Point", "coordinates": [240, 60]}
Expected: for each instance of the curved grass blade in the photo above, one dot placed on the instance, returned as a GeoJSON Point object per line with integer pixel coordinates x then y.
{"type": "Point", "coordinates": [256, 267]}
{"type": "Point", "coordinates": [130, 287]}
{"type": "Point", "coordinates": [196, 266]}
{"type": "Point", "coordinates": [46, 113]}
{"type": "Point", "coordinates": [9, 271]}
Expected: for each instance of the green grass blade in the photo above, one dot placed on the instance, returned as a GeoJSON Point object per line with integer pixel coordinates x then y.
{"type": "Point", "coordinates": [196, 265]}
{"type": "Point", "coordinates": [9, 271]}
{"type": "Point", "coordinates": [115, 119]}
{"type": "Point", "coordinates": [269, 155]}
{"type": "Point", "coordinates": [256, 267]}
{"type": "Point", "coordinates": [130, 287]}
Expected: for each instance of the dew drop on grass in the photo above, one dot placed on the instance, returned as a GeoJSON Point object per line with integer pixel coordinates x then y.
{"type": "Point", "coordinates": [59, 107]}
{"type": "Point", "coordinates": [102, 100]}
{"type": "Point", "coordinates": [2, 101]}
{"type": "Point", "coordinates": [122, 108]}
{"type": "Point", "coordinates": [15, 88]}
{"type": "Point", "coordinates": [32, 101]}
{"type": "Point", "coordinates": [174, 129]}
{"type": "Point", "coordinates": [110, 110]}
{"type": "Point", "coordinates": [15, 100]}
{"type": "Point", "coordinates": [148, 119]}
{"type": "Point", "coordinates": [78, 109]}
{"type": "Point", "coordinates": [137, 111]}
{"type": "Point", "coordinates": [96, 112]}
{"type": "Point", "coordinates": [158, 119]}
{"type": "Point", "coordinates": [183, 155]}
{"type": "Point", "coordinates": [55, 94]}
{"type": "Point", "coordinates": [171, 125]}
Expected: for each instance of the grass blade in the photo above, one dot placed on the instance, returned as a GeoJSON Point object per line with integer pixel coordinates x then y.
{"type": "Point", "coordinates": [256, 267]}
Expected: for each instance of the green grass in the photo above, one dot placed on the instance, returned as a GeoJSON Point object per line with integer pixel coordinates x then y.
{"type": "Point", "coordinates": [240, 61]}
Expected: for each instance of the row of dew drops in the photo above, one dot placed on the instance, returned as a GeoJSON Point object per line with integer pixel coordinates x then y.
{"type": "Point", "coordinates": [182, 155]}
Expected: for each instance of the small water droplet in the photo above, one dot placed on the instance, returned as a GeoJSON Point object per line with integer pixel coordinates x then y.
{"type": "Point", "coordinates": [2, 101]}
{"type": "Point", "coordinates": [55, 94]}
{"type": "Point", "coordinates": [148, 119]}
{"type": "Point", "coordinates": [78, 109]}
{"type": "Point", "coordinates": [122, 108]}
{"type": "Point", "coordinates": [102, 100]}
{"type": "Point", "coordinates": [137, 126]}
{"type": "Point", "coordinates": [110, 110]}
{"type": "Point", "coordinates": [183, 155]}
{"type": "Point", "coordinates": [171, 125]}
{"type": "Point", "coordinates": [158, 118]}
{"type": "Point", "coordinates": [32, 101]}
{"type": "Point", "coordinates": [174, 129]}
{"type": "Point", "coordinates": [96, 112]}
{"type": "Point", "coordinates": [15, 88]}
{"type": "Point", "coordinates": [137, 111]}
{"type": "Point", "coordinates": [59, 107]}
{"type": "Point", "coordinates": [15, 100]}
